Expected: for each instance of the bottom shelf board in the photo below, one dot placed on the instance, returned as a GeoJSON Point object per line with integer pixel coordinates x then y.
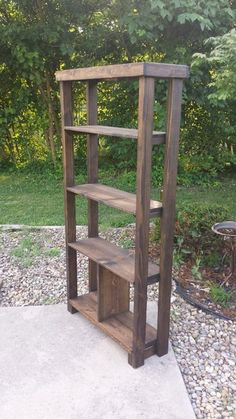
{"type": "Point", "coordinates": [119, 327]}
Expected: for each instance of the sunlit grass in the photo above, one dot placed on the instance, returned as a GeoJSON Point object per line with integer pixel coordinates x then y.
{"type": "Point", "coordinates": [38, 199]}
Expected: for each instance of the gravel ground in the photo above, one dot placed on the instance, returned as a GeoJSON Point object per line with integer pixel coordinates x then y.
{"type": "Point", "coordinates": [32, 272]}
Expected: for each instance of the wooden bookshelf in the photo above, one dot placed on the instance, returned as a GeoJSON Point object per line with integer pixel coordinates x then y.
{"type": "Point", "coordinates": [112, 270]}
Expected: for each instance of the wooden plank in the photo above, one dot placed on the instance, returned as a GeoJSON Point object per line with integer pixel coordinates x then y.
{"type": "Point", "coordinates": [70, 219]}
{"type": "Point", "coordinates": [119, 71]}
{"type": "Point", "coordinates": [113, 294]}
{"type": "Point", "coordinates": [114, 198]}
{"type": "Point", "coordinates": [166, 71]}
{"type": "Point", "coordinates": [157, 137]}
{"type": "Point", "coordinates": [92, 168]}
{"type": "Point", "coordinates": [115, 259]}
{"type": "Point", "coordinates": [168, 216]}
{"type": "Point", "coordinates": [144, 155]}
{"type": "Point", "coordinates": [118, 327]}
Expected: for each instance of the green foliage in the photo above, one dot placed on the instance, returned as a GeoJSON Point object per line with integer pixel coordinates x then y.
{"type": "Point", "coordinates": [52, 252]}
{"type": "Point", "coordinates": [193, 235]}
{"type": "Point", "coordinates": [219, 67]}
{"type": "Point", "coordinates": [222, 64]}
{"type": "Point", "coordinates": [126, 243]}
{"type": "Point", "coordinates": [24, 193]}
{"type": "Point", "coordinates": [38, 38]}
{"type": "Point", "coordinates": [179, 254]}
{"type": "Point", "coordinates": [219, 295]}
{"type": "Point", "coordinates": [27, 251]}
{"type": "Point", "coordinates": [161, 21]}
{"type": "Point", "coordinates": [196, 269]}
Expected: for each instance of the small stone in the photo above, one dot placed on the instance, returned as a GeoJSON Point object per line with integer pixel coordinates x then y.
{"type": "Point", "coordinates": [209, 369]}
{"type": "Point", "coordinates": [192, 340]}
{"type": "Point", "coordinates": [232, 386]}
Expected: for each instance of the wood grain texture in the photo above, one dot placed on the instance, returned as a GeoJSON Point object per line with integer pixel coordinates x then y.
{"type": "Point", "coordinates": [157, 137]}
{"type": "Point", "coordinates": [113, 294]}
{"type": "Point", "coordinates": [144, 155]}
{"type": "Point", "coordinates": [92, 168]}
{"type": "Point", "coordinates": [117, 260]}
{"type": "Point", "coordinates": [168, 215]}
{"type": "Point", "coordinates": [115, 198]}
{"type": "Point", "coordinates": [69, 198]}
{"type": "Point", "coordinates": [119, 71]}
{"type": "Point", "coordinates": [118, 327]}
{"type": "Point", "coordinates": [111, 268]}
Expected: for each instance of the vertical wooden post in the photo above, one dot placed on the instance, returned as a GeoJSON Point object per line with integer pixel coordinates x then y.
{"type": "Point", "coordinates": [144, 156]}
{"type": "Point", "coordinates": [168, 214]}
{"type": "Point", "coordinates": [70, 219]}
{"type": "Point", "coordinates": [92, 166]}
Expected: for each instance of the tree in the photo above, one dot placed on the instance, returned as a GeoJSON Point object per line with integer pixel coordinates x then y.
{"type": "Point", "coordinates": [222, 63]}
{"type": "Point", "coordinates": [219, 68]}
{"type": "Point", "coordinates": [36, 39]}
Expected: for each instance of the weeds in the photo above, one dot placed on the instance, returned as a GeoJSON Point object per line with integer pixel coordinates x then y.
{"type": "Point", "coordinates": [127, 243]}
{"type": "Point", "coordinates": [196, 269]}
{"type": "Point", "coordinates": [52, 252]}
{"type": "Point", "coordinates": [219, 295]}
{"type": "Point", "coordinates": [29, 249]}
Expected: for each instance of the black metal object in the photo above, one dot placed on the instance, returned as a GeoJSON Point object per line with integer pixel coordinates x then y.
{"type": "Point", "coordinates": [228, 230]}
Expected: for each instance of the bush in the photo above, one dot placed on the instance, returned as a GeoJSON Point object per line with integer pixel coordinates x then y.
{"type": "Point", "coordinates": [193, 236]}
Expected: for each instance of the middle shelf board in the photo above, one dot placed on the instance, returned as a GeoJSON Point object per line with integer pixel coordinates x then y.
{"type": "Point", "coordinates": [157, 137]}
{"type": "Point", "coordinates": [113, 197]}
{"type": "Point", "coordinates": [115, 259]}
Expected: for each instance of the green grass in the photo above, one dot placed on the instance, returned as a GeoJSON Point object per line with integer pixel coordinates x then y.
{"type": "Point", "coordinates": [223, 194]}
{"type": "Point", "coordinates": [53, 252]}
{"type": "Point", "coordinates": [219, 295]}
{"type": "Point", "coordinates": [38, 199]}
{"type": "Point", "coordinates": [26, 251]}
{"type": "Point", "coordinates": [30, 248]}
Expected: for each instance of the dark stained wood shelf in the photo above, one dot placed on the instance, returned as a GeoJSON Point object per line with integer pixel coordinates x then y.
{"type": "Point", "coordinates": [112, 197]}
{"type": "Point", "coordinates": [119, 327]}
{"type": "Point", "coordinates": [115, 259]}
{"type": "Point", "coordinates": [119, 71]}
{"type": "Point", "coordinates": [157, 138]}
{"type": "Point", "coordinates": [111, 269]}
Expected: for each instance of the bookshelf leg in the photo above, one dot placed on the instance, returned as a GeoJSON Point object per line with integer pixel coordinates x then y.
{"type": "Point", "coordinates": [144, 156]}
{"type": "Point", "coordinates": [69, 198]}
{"type": "Point", "coordinates": [168, 216]}
{"type": "Point", "coordinates": [92, 167]}
{"type": "Point", "coordinates": [71, 309]}
{"type": "Point", "coordinates": [71, 277]}
{"type": "Point", "coordinates": [135, 360]}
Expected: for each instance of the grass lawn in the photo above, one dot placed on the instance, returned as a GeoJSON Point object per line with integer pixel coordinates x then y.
{"type": "Point", "coordinates": [38, 200]}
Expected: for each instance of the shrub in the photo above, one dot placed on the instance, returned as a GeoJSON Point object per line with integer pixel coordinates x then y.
{"type": "Point", "coordinates": [193, 235]}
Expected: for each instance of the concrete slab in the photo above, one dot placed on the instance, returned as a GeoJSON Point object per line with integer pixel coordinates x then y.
{"type": "Point", "coordinates": [54, 365]}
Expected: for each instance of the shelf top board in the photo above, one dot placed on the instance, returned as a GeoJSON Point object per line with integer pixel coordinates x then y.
{"type": "Point", "coordinates": [116, 259]}
{"type": "Point", "coordinates": [113, 197]}
{"type": "Point", "coordinates": [119, 71]}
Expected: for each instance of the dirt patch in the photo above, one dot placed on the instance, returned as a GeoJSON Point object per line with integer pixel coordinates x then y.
{"type": "Point", "coordinates": [202, 292]}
